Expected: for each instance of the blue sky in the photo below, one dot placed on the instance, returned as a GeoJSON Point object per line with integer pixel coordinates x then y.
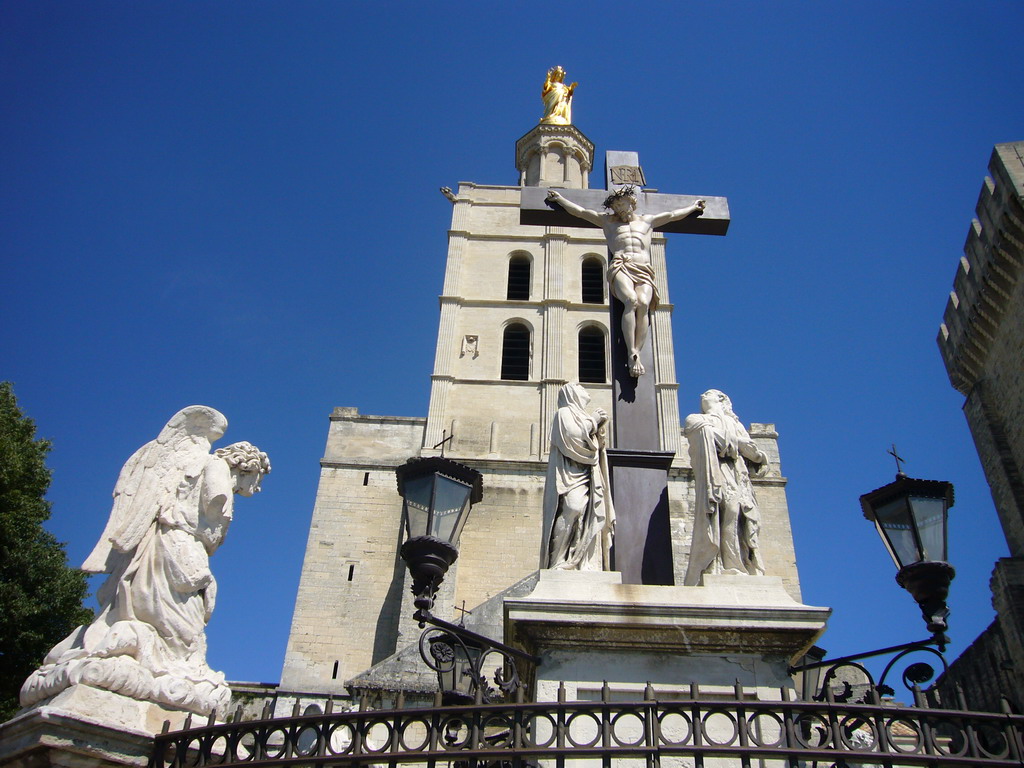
{"type": "Point", "coordinates": [235, 204]}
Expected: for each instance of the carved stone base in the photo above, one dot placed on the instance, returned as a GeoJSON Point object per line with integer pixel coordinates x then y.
{"type": "Point", "coordinates": [126, 676]}
{"type": "Point", "coordinates": [84, 727]}
{"type": "Point", "coordinates": [589, 628]}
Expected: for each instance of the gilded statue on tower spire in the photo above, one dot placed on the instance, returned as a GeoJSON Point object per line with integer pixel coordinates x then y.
{"type": "Point", "coordinates": [557, 98]}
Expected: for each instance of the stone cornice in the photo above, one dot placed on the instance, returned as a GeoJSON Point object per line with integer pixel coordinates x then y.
{"type": "Point", "coordinates": [523, 304]}
{"type": "Point", "coordinates": [725, 616]}
{"type": "Point", "coordinates": [519, 236]}
{"type": "Point", "coordinates": [482, 464]}
{"type": "Point", "coordinates": [342, 413]}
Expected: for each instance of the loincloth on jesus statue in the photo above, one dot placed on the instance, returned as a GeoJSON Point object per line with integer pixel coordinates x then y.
{"type": "Point", "coordinates": [638, 273]}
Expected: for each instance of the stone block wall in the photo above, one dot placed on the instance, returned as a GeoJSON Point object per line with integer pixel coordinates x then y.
{"type": "Point", "coordinates": [982, 344]}
{"type": "Point", "coordinates": [982, 336]}
{"type": "Point", "coordinates": [346, 611]}
{"type": "Point", "coordinates": [353, 605]}
{"type": "Point", "coordinates": [509, 419]}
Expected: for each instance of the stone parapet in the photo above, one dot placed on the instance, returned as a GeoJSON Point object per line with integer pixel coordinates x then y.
{"type": "Point", "coordinates": [988, 272]}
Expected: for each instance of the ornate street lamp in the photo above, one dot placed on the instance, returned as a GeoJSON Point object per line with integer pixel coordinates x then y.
{"type": "Point", "coordinates": [457, 662]}
{"type": "Point", "coordinates": [437, 494]}
{"type": "Point", "coordinates": [910, 516]}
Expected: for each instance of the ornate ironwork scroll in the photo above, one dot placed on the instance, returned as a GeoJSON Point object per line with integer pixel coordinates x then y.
{"type": "Point", "coordinates": [466, 666]}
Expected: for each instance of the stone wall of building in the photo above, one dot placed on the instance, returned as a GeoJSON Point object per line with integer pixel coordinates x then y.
{"type": "Point", "coordinates": [492, 416]}
{"type": "Point", "coordinates": [982, 344]}
{"type": "Point", "coordinates": [982, 336]}
{"type": "Point", "coordinates": [353, 605]}
{"type": "Point", "coordinates": [346, 610]}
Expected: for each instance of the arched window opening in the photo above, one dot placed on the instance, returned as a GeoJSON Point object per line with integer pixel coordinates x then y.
{"type": "Point", "coordinates": [518, 278]}
{"type": "Point", "coordinates": [592, 362]}
{"type": "Point", "coordinates": [592, 278]}
{"type": "Point", "coordinates": [515, 353]}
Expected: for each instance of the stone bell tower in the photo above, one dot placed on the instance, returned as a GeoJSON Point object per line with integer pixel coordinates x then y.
{"type": "Point", "coordinates": [523, 310]}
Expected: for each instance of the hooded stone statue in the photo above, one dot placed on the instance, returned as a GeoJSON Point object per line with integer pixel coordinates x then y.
{"type": "Point", "coordinates": [726, 518]}
{"type": "Point", "coordinates": [579, 520]}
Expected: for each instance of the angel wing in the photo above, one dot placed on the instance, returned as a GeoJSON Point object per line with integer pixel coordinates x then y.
{"type": "Point", "coordinates": [148, 482]}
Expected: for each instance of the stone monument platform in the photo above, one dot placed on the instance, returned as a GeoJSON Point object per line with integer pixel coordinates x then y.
{"type": "Point", "coordinates": [588, 628]}
{"type": "Point", "coordinates": [85, 727]}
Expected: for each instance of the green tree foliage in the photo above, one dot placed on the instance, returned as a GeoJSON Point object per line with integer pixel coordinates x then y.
{"type": "Point", "coordinates": [40, 596]}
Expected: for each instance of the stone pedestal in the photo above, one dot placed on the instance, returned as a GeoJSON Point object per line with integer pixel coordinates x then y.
{"type": "Point", "coordinates": [555, 156]}
{"type": "Point", "coordinates": [589, 628]}
{"type": "Point", "coordinates": [84, 727]}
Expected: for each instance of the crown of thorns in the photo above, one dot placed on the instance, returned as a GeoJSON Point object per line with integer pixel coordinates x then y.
{"type": "Point", "coordinates": [627, 191]}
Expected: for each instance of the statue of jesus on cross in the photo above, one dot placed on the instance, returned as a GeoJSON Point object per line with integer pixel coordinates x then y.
{"type": "Point", "coordinates": [630, 273]}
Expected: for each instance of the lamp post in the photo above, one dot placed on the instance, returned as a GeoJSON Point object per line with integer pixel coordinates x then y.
{"type": "Point", "coordinates": [910, 516]}
{"type": "Point", "coordinates": [437, 495]}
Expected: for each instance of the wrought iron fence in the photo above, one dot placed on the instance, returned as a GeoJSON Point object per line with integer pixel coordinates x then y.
{"type": "Point", "coordinates": [692, 731]}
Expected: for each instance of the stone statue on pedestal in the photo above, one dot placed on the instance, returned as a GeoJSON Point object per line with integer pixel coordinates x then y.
{"type": "Point", "coordinates": [557, 98]}
{"type": "Point", "coordinates": [726, 520]}
{"type": "Point", "coordinates": [579, 520]}
{"type": "Point", "coordinates": [173, 503]}
{"type": "Point", "coordinates": [630, 272]}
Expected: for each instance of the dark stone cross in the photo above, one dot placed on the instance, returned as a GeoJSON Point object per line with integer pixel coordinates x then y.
{"type": "Point", "coordinates": [643, 546]}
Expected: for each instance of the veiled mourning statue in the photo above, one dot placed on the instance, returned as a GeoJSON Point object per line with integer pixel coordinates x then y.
{"type": "Point", "coordinates": [726, 520]}
{"type": "Point", "coordinates": [173, 503]}
{"type": "Point", "coordinates": [579, 520]}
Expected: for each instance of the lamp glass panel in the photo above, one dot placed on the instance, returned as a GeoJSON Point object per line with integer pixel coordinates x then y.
{"type": "Point", "coordinates": [464, 670]}
{"type": "Point", "coordinates": [810, 679]}
{"type": "Point", "coordinates": [448, 677]}
{"type": "Point", "coordinates": [417, 492]}
{"type": "Point", "coordinates": [450, 498]}
{"type": "Point", "coordinates": [929, 514]}
{"type": "Point", "coordinates": [456, 674]}
{"type": "Point", "coordinates": [894, 522]}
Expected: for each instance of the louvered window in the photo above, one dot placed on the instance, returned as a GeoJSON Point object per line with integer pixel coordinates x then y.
{"type": "Point", "coordinates": [592, 364]}
{"type": "Point", "coordinates": [515, 353]}
{"type": "Point", "coordinates": [592, 277]}
{"type": "Point", "coordinates": [518, 278]}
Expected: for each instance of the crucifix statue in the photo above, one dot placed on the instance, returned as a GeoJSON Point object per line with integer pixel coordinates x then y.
{"type": "Point", "coordinates": [638, 458]}
{"type": "Point", "coordinates": [635, 215]}
{"type": "Point", "coordinates": [630, 272]}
